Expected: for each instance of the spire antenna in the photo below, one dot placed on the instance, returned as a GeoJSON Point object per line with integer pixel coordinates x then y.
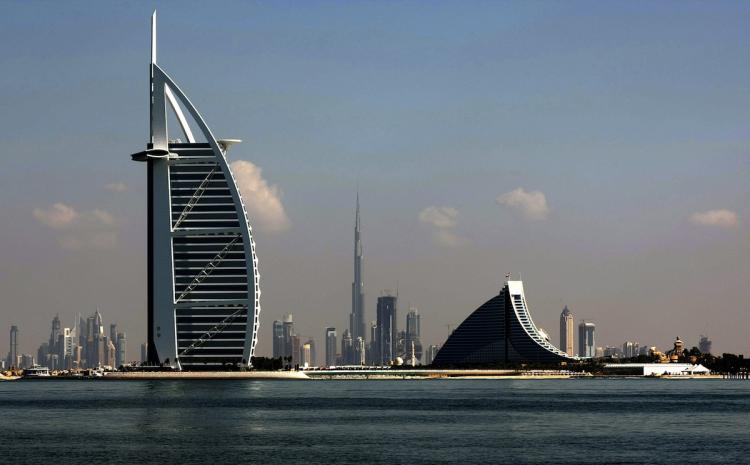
{"type": "Point", "coordinates": [153, 38]}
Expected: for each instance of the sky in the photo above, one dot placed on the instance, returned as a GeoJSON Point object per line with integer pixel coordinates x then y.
{"type": "Point", "coordinates": [597, 150]}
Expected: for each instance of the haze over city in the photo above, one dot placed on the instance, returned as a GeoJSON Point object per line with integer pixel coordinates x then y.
{"type": "Point", "coordinates": [600, 154]}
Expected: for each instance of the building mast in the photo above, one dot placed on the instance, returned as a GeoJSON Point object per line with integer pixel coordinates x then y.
{"type": "Point", "coordinates": [356, 318]}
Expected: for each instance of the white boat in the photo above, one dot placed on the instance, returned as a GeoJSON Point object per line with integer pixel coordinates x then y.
{"type": "Point", "coordinates": [36, 371]}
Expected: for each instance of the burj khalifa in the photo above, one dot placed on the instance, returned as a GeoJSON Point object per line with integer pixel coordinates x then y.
{"type": "Point", "coordinates": [357, 317]}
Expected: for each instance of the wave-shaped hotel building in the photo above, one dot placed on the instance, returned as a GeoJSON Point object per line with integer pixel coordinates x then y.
{"type": "Point", "coordinates": [203, 292]}
{"type": "Point", "coordinates": [500, 331]}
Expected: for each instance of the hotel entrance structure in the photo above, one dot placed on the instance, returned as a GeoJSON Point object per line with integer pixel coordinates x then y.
{"type": "Point", "coordinates": [500, 331]}
{"type": "Point", "coordinates": [203, 292]}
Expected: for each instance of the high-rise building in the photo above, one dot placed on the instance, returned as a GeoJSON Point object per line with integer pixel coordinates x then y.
{"type": "Point", "coordinates": [27, 361]}
{"type": "Point", "coordinates": [629, 349]}
{"type": "Point", "coordinates": [347, 348]}
{"type": "Point", "coordinates": [431, 353]}
{"type": "Point", "coordinates": [54, 336]}
{"type": "Point", "coordinates": [412, 336]}
{"type": "Point", "coordinates": [122, 349]}
{"type": "Point", "coordinates": [307, 355]}
{"type": "Point", "coordinates": [278, 339]}
{"type": "Point", "coordinates": [586, 339]}
{"type": "Point", "coordinates": [203, 290]}
{"type": "Point", "coordinates": [357, 316]}
{"type": "Point", "coordinates": [110, 352]}
{"type": "Point", "coordinates": [373, 355]}
{"type": "Point", "coordinates": [500, 331]}
{"type": "Point", "coordinates": [359, 352]}
{"type": "Point", "coordinates": [704, 344]}
{"type": "Point", "coordinates": [70, 340]}
{"type": "Point", "coordinates": [42, 354]}
{"type": "Point", "coordinates": [144, 352]}
{"type": "Point", "coordinates": [288, 332]}
{"type": "Point", "coordinates": [566, 331]}
{"type": "Point", "coordinates": [386, 332]}
{"type": "Point", "coordinates": [331, 347]}
{"type": "Point", "coordinates": [296, 347]}
{"type": "Point", "coordinates": [113, 333]}
{"type": "Point", "coordinates": [13, 361]}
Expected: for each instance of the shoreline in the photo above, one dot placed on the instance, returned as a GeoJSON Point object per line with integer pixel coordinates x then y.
{"type": "Point", "coordinates": [353, 375]}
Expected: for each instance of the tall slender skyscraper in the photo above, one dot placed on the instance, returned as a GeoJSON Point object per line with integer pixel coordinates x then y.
{"type": "Point", "coordinates": [357, 317]}
{"type": "Point", "coordinates": [330, 347]}
{"type": "Point", "coordinates": [13, 352]}
{"type": "Point", "coordinates": [412, 341]}
{"type": "Point", "coordinates": [387, 329]}
{"type": "Point", "coordinates": [278, 339]}
{"type": "Point", "coordinates": [566, 331]}
{"type": "Point", "coordinates": [54, 335]}
{"type": "Point", "coordinates": [121, 356]}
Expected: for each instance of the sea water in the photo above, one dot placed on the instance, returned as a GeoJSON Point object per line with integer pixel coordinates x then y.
{"type": "Point", "coordinates": [576, 421]}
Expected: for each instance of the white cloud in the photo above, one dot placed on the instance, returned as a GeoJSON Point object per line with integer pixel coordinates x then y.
{"type": "Point", "coordinates": [77, 230]}
{"type": "Point", "coordinates": [263, 201]}
{"type": "Point", "coordinates": [442, 220]}
{"type": "Point", "coordinates": [721, 218]}
{"type": "Point", "coordinates": [116, 186]}
{"type": "Point", "coordinates": [532, 204]}
{"type": "Point", "coordinates": [58, 216]}
{"type": "Point", "coordinates": [440, 217]}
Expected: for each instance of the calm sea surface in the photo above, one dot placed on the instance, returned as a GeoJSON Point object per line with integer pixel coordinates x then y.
{"type": "Point", "coordinates": [445, 421]}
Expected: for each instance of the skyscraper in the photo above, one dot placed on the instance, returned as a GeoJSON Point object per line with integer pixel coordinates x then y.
{"type": "Point", "coordinates": [122, 348]}
{"type": "Point", "coordinates": [113, 333]}
{"type": "Point", "coordinates": [144, 352]}
{"type": "Point", "coordinates": [432, 351]}
{"type": "Point", "coordinates": [357, 317]}
{"type": "Point", "coordinates": [704, 344]}
{"type": "Point", "coordinates": [13, 353]}
{"type": "Point", "coordinates": [359, 351]}
{"type": "Point", "coordinates": [42, 354]}
{"type": "Point", "coordinates": [70, 341]}
{"type": "Point", "coordinates": [586, 339]}
{"type": "Point", "coordinates": [629, 349]}
{"type": "Point", "coordinates": [278, 338]}
{"type": "Point", "coordinates": [566, 331]}
{"type": "Point", "coordinates": [296, 350]}
{"type": "Point", "coordinates": [203, 294]}
{"type": "Point", "coordinates": [54, 336]}
{"type": "Point", "coordinates": [347, 348]}
{"type": "Point", "coordinates": [307, 356]}
{"type": "Point", "coordinates": [288, 332]}
{"type": "Point", "coordinates": [330, 347]}
{"type": "Point", "coordinates": [387, 329]}
{"type": "Point", "coordinates": [373, 354]}
{"type": "Point", "coordinates": [412, 340]}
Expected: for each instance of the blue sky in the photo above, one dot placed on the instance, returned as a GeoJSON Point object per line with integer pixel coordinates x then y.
{"type": "Point", "coordinates": [629, 117]}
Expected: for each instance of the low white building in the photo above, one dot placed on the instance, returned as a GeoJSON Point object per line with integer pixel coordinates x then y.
{"type": "Point", "coordinates": [655, 369]}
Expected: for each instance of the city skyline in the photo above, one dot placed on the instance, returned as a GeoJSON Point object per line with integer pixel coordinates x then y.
{"type": "Point", "coordinates": [482, 140]}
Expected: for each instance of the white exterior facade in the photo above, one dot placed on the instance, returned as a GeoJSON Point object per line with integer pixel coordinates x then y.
{"type": "Point", "coordinates": [203, 282]}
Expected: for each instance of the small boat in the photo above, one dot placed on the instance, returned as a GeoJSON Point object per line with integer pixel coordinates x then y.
{"type": "Point", "coordinates": [36, 371]}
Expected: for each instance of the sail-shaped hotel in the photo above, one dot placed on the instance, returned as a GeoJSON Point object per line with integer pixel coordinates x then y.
{"type": "Point", "coordinates": [203, 291]}
{"type": "Point", "coordinates": [500, 331]}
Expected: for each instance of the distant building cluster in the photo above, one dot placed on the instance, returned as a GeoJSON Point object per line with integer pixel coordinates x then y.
{"type": "Point", "coordinates": [288, 345]}
{"type": "Point", "coordinates": [386, 342]}
{"type": "Point", "coordinates": [500, 331]}
{"type": "Point", "coordinates": [587, 347]}
{"type": "Point", "coordinates": [86, 345]}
